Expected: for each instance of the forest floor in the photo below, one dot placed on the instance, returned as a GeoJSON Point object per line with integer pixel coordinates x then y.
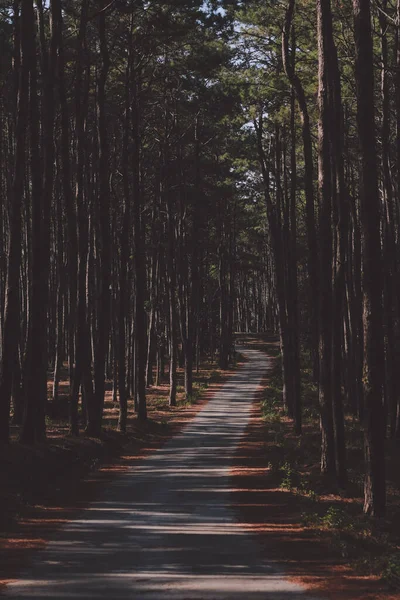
{"type": "Point", "coordinates": [44, 486]}
{"type": "Point", "coordinates": [165, 528]}
{"type": "Point", "coordinates": [317, 531]}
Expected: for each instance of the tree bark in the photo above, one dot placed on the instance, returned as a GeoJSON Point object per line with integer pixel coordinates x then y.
{"type": "Point", "coordinates": [95, 416]}
{"type": "Point", "coordinates": [328, 466]}
{"type": "Point", "coordinates": [12, 297]}
{"type": "Point", "coordinates": [375, 486]}
{"type": "Point", "coordinates": [312, 243]}
{"type": "Point", "coordinates": [33, 427]}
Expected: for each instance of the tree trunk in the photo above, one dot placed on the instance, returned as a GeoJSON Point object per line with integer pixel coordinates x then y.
{"type": "Point", "coordinates": [83, 359]}
{"type": "Point", "coordinates": [12, 300]}
{"type": "Point", "coordinates": [375, 486]}
{"type": "Point", "coordinates": [312, 244]}
{"type": "Point", "coordinates": [95, 416]}
{"type": "Point", "coordinates": [33, 427]}
{"type": "Point", "coordinates": [325, 290]}
{"type": "Point", "coordinates": [140, 267]}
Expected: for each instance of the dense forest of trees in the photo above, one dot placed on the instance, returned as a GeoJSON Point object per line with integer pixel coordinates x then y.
{"type": "Point", "coordinates": [172, 172]}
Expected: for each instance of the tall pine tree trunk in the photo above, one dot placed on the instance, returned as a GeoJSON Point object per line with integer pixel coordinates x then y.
{"type": "Point", "coordinates": [375, 487]}
{"type": "Point", "coordinates": [12, 300]}
{"type": "Point", "coordinates": [95, 412]}
{"type": "Point", "coordinates": [312, 244]}
{"type": "Point", "coordinates": [328, 466]}
{"type": "Point", "coordinates": [33, 427]}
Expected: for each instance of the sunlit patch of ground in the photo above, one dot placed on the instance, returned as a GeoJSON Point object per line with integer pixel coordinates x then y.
{"type": "Point", "coordinates": [45, 486]}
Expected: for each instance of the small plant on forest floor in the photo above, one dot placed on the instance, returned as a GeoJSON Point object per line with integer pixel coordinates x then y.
{"type": "Point", "coordinates": [271, 415]}
{"type": "Point", "coordinates": [186, 402]}
{"type": "Point", "coordinates": [279, 439]}
{"type": "Point", "coordinates": [336, 521]}
{"type": "Point", "coordinates": [200, 387]}
{"type": "Point", "coordinates": [305, 490]}
{"type": "Point", "coordinates": [336, 518]}
{"type": "Point", "coordinates": [271, 404]}
{"type": "Point", "coordinates": [311, 520]}
{"type": "Point", "coordinates": [158, 402]}
{"type": "Point", "coordinates": [290, 476]}
{"type": "Point", "coordinates": [190, 399]}
{"type": "Point", "coordinates": [356, 539]}
{"type": "Point", "coordinates": [391, 570]}
{"type": "Point", "coordinates": [292, 479]}
{"type": "Point", "coordinates": [215, 376]}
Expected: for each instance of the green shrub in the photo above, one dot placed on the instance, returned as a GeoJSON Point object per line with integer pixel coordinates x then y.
{"type": "Point", "coordinates": [335, 518]}
{"type": "Point", "coordinates": [391, 571]}
{"type": "Point", "coordinates": [290, 476]}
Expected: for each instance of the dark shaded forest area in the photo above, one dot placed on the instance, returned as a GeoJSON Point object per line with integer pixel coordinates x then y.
{"type": "Point", "coordinates": [174, 172]}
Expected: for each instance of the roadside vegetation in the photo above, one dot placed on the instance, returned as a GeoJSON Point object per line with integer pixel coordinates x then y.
{"type": "Point", "coordinates": [331, 513]}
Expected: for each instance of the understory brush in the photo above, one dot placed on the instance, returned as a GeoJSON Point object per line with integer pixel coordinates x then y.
{"type": "Point", "coordinates": [329, 511]}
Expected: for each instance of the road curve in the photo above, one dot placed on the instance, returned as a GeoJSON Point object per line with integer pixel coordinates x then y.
{"type": "Point", "coordinates": [164, 530]}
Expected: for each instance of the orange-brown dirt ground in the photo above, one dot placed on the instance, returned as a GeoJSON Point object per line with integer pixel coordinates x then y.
{"type": "Point", "coordinates": [47, 485]}
{"type": "Point", "coordinates": [75, 471]}
{"type": "Point", "coordinates": [276, 516]}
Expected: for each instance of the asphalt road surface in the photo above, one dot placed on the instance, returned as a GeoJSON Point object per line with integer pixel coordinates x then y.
{"type": "Point", "coordinates": [164, 530]}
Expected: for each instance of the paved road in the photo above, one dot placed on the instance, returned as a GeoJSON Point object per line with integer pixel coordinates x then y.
{"type": "Point", "coordinates": [164, 530]}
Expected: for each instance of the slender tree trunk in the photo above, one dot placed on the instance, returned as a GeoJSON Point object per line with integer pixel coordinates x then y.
{"type": "Point", "coordinates": [70, 208]}
{"type": "Point", "coordinates": [224, 293]}
{"type": "Point", "coordinates": [154, 270]}
{"type": "Point", "coordinates": [389, 250]}
{"type": "Point", "coordinates": [275, 225]}
{"type": "Point", "coordinates": [123, 282]}
{"type": "Point", "coordinates": [397, 95]}
{"type": "Point", "coordinates": [325, 189]}
{"type": "Point", "coordinates": [95, 416]}
{"type": "Point", "coordinates": [375, 487]}
{"type": "Point", "coordinates": [341, 218]}
{"type": "Point", "coordinates": [33, 427]}
{"type": "Point", "coordinates": [293, 287]}
{"type": "Point", "coordinates": [12, 300]}
{"type": "Point", "coordinates": [60, 297]}
{"type": "Point", "coordinates": [171, 285]}
{"type": "Point", "coordinates": [312, 245]}
{"type": "Point", "coordinates": [83, 359]}
{"type": "Point", "coordinates": [140, 267]}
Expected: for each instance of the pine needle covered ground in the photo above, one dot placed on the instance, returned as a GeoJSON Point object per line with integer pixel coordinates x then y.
{"type": "Point", "coordinates": [46, 485]}
{"type": "Point", "coordinates": [316, 530]}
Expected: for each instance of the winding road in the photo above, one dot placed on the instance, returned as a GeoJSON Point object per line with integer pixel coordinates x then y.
{"type": "Point", "coordinates": [164, 530]}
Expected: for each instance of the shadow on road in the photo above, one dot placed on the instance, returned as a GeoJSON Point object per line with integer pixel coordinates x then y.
{"type": "Point", "coordinates": [165, 528]}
